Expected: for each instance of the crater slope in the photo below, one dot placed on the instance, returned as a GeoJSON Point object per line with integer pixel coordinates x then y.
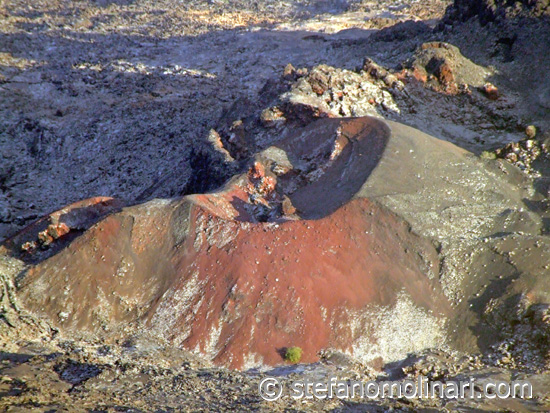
{"type": "Point", "coordinates": [330, 240]}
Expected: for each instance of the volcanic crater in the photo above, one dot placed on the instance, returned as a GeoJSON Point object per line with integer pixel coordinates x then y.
{"type": "Point", "coordinates": [288, 253]}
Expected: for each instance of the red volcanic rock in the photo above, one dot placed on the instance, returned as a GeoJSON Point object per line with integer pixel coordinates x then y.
{"type": "Point", "coordinates": [441, 67]}
{"type": "Point", "coordinates": [44, 238]}
{"type": "Point", "coordinates": [57, 225]}
{"type": "Point", "coordinates": [272, 117]}
{"type": "Point", "coordinates": [312, 265]}
{"type": "Point", "coordinates": [445, 74]}
{"type": "Point", "coordinates": [58, 230]}
{"type": "Point", "coordinates": [260, 185]}
{"type": "Point", "coordinates": [50, 234]}
{"type": "Point", "coordinates": [490, 91]}
{"type": "Point", "coordinates": [268, 286]}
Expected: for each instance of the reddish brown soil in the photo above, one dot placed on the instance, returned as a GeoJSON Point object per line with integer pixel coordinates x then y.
{"type": "Point", "coordinates": [297, 283]}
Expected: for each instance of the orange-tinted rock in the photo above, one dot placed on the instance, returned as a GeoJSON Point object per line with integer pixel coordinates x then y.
{"type": "Point", "coordinates": [272, 117]}
{"type": "Point", "coordinates": [47, 230]}
{"type": "Point", "coordinates": [44, 238]}
{"type": "Point", "coordinates": [441, 67]}
{"type": "Point", "coordinates": [445, 74]}
{"type": "Point", "coordinates": [288, 208]}
{"type": "Point", "coordinates": [58, 230]}
{"type": "Point", "coordinates": [490, 91]}
{"type": "Point", "coordinates": [289, 72]}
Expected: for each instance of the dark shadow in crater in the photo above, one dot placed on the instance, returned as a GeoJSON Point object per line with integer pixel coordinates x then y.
{"type": "Point", "coordinates": [345, 150]}
{"type": "Point", "coordinates": [327, 163]}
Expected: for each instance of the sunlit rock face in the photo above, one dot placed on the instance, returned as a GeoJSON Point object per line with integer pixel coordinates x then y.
{"type": "Point", "coordinates": [326, 241]}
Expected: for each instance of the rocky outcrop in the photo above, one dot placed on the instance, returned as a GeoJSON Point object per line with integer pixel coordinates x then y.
{"type": "Point", "coordinates": [443, 68]}
{"type": "Point", "coordinates": [49, 234]}
{"type": "Point", "coordinates": [435, 88]}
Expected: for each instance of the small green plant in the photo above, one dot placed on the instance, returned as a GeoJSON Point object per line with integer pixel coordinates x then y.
{"type": "Point", "coordinates": [488, 155]}
{"type": "Point", "coordinates": [293, 354]}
